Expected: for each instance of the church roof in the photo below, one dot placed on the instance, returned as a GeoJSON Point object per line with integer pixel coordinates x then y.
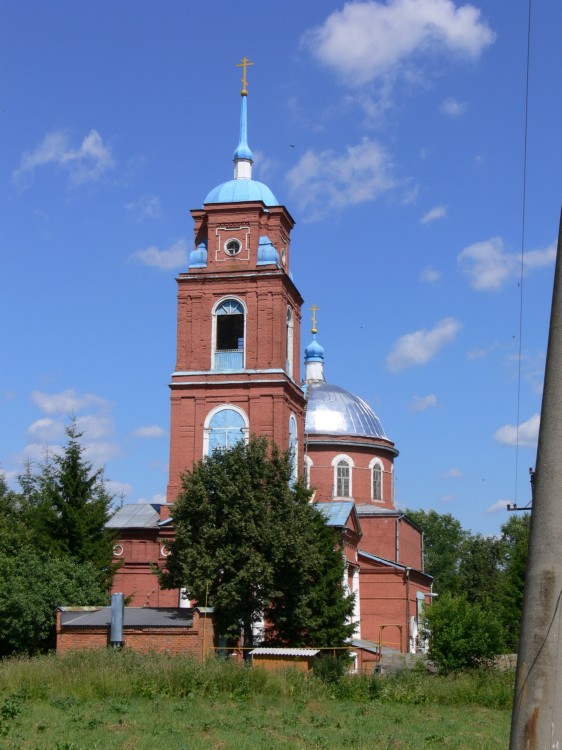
{"type": "Point", "coordinates": [136, 516]}
{"type": "Point", "coordinates": [241, 190]}
{"type": "Point", "coordinates": [332, 410]}
{"type": "Point", "coordinates": [336, 513]}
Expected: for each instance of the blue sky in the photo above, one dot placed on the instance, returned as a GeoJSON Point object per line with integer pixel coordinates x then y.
{"type": "Point", "coordinates": [394, 134]}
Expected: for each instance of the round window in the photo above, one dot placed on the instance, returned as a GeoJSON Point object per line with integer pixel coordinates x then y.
{"type": "Point", "coordinates": [232, 247]}
{"type": "Point", "coordinates": [117, 550]}
{"type": "Point", "coordinates": [165, 551]}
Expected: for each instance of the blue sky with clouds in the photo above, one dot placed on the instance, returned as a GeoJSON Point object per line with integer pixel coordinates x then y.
{"type": "Point", "coordinates": [394, 134]}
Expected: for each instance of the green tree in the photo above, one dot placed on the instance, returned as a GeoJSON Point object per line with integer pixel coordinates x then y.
{"type": "Point", "coordinates": [243, 531]}
{"type": "Point", "coordinates": [443, 541]}
{"type": "Point", "coordinates": [462, 633]}
{"type": "Point", "coordinates": [513, 545]}
{"type": "Point", "coordinates": [67, 505]}
{"type": "Point", "coordinates": [34, 582]}
{"type": "Point", "coordinates": [479, 571]}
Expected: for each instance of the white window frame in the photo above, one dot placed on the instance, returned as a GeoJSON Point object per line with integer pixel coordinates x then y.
{"type": "Point", "coordinates": [335, 461]}
{"type": "Point", "coordinates": [373, 463]}
{"type": "Point", "coordinates": [211, 414]}
{"type": "Point", "coordinates": [216, 306]}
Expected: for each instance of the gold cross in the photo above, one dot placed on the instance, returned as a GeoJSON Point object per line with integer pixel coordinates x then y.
{"type": "Point", "coordinates": [314, 310]}
{"type": "Point", "coordinates": [244, 64]}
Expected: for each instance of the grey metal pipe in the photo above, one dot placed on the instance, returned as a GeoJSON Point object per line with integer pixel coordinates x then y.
{"type": "Point", "coordinates": [117, 620]}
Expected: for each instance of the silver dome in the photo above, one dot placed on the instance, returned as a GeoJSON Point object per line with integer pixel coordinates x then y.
{"type": "Point", "coordinates": [331, 410]}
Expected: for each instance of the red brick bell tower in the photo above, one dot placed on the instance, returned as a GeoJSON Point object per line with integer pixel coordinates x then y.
{"type": "Point", "coordinates": [238, 333]}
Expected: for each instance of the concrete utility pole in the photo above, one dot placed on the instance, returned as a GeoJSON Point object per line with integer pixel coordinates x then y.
{"type": "Point", "coordinates": [536, 722]}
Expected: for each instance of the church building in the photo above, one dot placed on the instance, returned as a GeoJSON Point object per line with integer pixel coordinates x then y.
{"type": "Point", "coordinates": [238, 373]}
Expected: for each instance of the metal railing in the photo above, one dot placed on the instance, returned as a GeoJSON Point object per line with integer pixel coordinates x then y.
{"type": "Point", "coordinates": [229, 359]}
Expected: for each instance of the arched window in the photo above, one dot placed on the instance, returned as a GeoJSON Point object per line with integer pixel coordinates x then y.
{"type": "Point", "coordinates": [228, 335]}
{"type": "Point", "coordinates": [294, 446]}
{"type": "Point", "coordinates": [343, 485]}
{"type": "Point", "coordinates": [376, 468]}
{"type": "Point", "coordinates": [290, 338]}
{"type": "Point", "coordinates": [224, 427]}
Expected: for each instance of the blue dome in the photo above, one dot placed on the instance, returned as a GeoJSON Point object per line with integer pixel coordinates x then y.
{"type": "Point", "coordinates": [240, 191]}
{"type": "Point", "coordinates": [314, 352]}
{"type": "Point", "coordinates": [331, 410]}
{"type": "Point", "coordinates": [198, 257]}
{"type": "Point", "coordinates": [267, 254]}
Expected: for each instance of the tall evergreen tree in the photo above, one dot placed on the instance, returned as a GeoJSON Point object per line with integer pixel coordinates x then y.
{"type": "Point", "coordinates": [68, 505]}
{"type": "Point", "coordinates": [242, 534]}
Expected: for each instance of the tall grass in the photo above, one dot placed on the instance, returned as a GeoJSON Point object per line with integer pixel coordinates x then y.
{"type": "Point", "coordinates": [93, 675]}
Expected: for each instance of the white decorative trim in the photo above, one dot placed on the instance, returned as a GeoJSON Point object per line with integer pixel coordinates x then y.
{"type": "Point", "coordinates": [243, 238]}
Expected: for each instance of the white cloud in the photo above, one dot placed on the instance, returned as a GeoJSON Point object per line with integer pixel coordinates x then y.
{"type": "Point", "coordinates": [451, 474]}
{"type": "Point", "coordinates": [452, 107]}
{"type": "Point", "coordinates": [498, 506]}
{"type": "Point", "coordinates": [446, 498]}
{"type": "Point", "coordinates": [540, 258]}
{"type": "Point", "coordinates": [36, 452]}
{"type": "Point", "coordinates": [67, 402]}
{"type": "Point", "coordinates": [421, 403]}
{"type": "Point", "coordinates": [149, 431]}
{"type": "Point", "coordinates": [430, 275]}
{"type": "Point", "coordinates": [119, 489]}
{"type": "Point", "coordinates": [46, 429]}
{"type": "Point", "coordinates": [86, 163]}
{"type": "Point", "coordinates": [10, 474]}
{"type": "Point", "coordinates": [489, 267]}
{"type": "Point", "coordinates": [158, 499]}
{"type": "Point", "coordinates": [481, 353]}
{"type": "Point", "coordinates": [95, 426]}
{"type": "Point", "coordinates": [326, 181]}
{"type": "Point", "coordinates": [419, 347]}
{"type": "Point", "coordinates": [99, 453]}
{"type": "Point", "coordinates": [439, 212]}
{"type": "Point", "coordinates": [528, 432]}
{"type": "Point", "coordinates": [166, 260]}
{"type": "Point", "coordinates": [366, 41]}
{"type": "Point", "coordinates": [145, 207]}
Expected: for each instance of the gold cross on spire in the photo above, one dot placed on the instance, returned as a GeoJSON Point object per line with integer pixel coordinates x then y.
{"type": "Point", "coordinates": [244, 64]}
{"type": "Point", "coordinates": [314, 310]}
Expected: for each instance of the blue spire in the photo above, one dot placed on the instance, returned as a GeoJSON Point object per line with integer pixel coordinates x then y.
{"type": "Point", "coordinates": [243, 151]}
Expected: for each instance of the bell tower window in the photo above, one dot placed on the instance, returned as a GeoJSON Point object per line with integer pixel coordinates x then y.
{"type": "Point", "coordinates": [229, 323]}
{"type": "Point", "coordinates": [376, 480]}
{"type": "Point", "coordinates": [224, 427]}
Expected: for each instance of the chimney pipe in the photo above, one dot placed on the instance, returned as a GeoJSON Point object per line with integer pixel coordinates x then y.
{"type": "Point", "coordinates": [117, 618]}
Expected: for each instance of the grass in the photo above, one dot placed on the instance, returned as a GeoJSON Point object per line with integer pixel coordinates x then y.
{"type": "Point", "coordinates": [123, 700]}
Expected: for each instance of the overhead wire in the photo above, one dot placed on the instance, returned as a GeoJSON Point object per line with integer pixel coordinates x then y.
{"type": "Point", "coordinates": [522, 254]}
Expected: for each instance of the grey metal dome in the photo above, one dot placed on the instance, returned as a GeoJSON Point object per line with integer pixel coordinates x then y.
{"type": "Point", "coordinates": [331, 410]}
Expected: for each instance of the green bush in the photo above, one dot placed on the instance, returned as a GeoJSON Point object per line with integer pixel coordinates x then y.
{"type": "Point", "coordinates": [463, 634]}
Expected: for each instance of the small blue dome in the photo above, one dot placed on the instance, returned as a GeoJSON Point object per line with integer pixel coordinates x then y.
{"type": "Point", "coordinates": [314, 352]}
{"type": "Point", "coordinates": [267, 254]}
{"type": "Point", "coordinates": [198, 257]}
{"type": "Point", "coordinates": [240, 191]}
